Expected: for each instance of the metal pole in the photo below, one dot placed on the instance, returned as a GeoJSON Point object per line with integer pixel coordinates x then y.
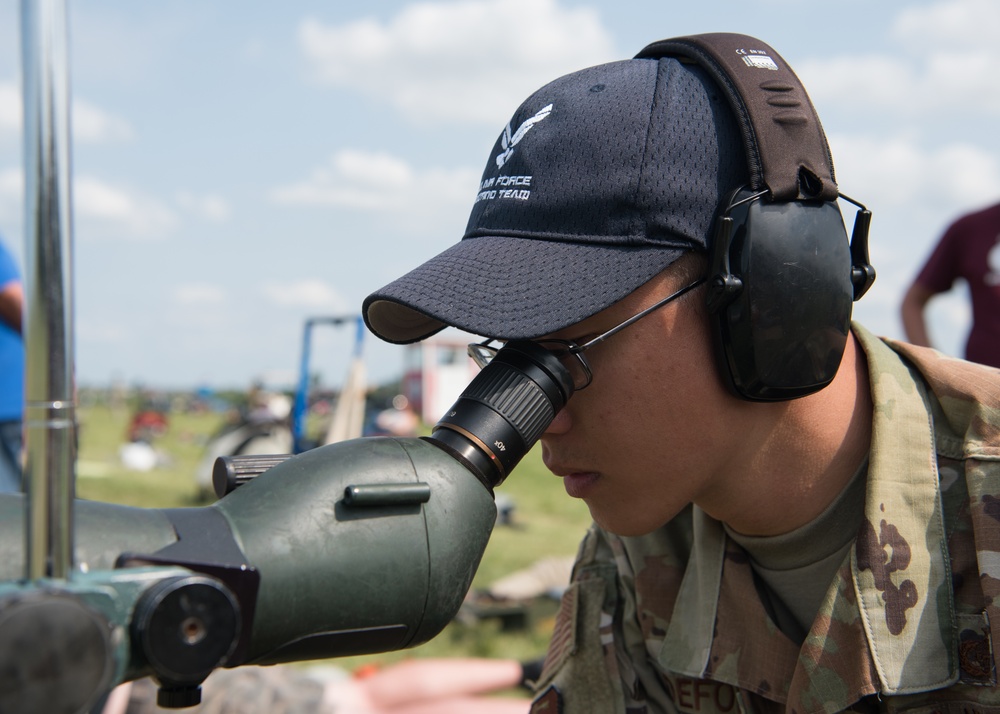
{"type": "Point", "coordinates": [301, 406]}
{"type": "Point", "coordinates": [50, 417]}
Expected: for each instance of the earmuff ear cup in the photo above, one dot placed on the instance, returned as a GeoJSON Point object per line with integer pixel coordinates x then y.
{"type": "Point", "coordinates": [782, 279]}
{"type": "Point", "coordinates": [780, 297]}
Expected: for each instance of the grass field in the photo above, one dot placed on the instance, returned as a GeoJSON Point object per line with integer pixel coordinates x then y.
{"type": "Point", "coordinates": [545, 522]}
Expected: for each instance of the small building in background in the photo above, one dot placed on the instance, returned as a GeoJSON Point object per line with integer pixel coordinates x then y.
{"type": "Point", "coordinates": [435, 372]}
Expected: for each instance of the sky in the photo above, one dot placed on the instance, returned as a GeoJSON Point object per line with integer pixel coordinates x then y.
{"type": "Point", "coordinates": [238, 168]}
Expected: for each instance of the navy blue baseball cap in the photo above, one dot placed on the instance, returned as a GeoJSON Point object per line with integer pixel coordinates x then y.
{"type": "Point", "coordinates": [601, 180]}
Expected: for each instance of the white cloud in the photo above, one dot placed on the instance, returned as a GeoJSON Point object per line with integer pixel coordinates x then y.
{"type": "Point", "coordinates": [944, 63]}
{"type": "Point", "coordinates": [105, 210]}
{"type": "Point", "coordinates": [11, 196]}
{"type": "Point", "coordinates": [10, 107]}
{"type": "Point", "coordinates": [91, 124]}
{"type": "Point", "coordinates": [199, 295]}
{"type": "Point", "coordinates": [208, 206]}
{"type": "Point", "coordinates": [308, 293]}
{"type": "Point", "coordinates": [953, 22]}
{"type": "Point", "coordinates": [938, 82]}
{"type": "Point", "coordinates": [900, 172]}
{"type": "Point", "coordinates": [374, 169]}
{"type": "Point", "coordinates": [464, 61]}
{"type": "Point", "coordinates": [99, 209]}
{"type": "Point", "coordinates": [380, 182]}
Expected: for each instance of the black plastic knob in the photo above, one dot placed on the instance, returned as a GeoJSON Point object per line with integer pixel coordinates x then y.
{"type": "Point", "coordinates": [230, 472]}
{"type": "Point", "coordinates": [186, 627]}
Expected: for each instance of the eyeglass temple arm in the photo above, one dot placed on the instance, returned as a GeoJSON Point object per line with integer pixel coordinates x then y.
{"type": "Point", "coordinates": [618, 328]}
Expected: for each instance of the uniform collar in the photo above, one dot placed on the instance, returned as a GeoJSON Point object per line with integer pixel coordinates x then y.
{"type": "Point", "coordinates": [899, 565]}
{"type": "Point", "coordinates": [900, 562]}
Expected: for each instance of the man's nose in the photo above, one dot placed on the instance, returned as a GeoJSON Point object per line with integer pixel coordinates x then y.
{"type": "Point", "coordinates": [561, 424]}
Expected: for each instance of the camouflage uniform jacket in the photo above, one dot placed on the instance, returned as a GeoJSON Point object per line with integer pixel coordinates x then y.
{"type": "Point", "coordinates": [672, 622]}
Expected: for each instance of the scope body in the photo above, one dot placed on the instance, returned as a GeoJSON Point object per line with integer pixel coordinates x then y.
{"type": "Point", "coordinates": [311, 572]}
{"type": "Point", "coordinates": [325, 566]}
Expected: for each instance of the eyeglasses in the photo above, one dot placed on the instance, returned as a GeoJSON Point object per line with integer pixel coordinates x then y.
{"type": "Point", "coordinates": [569, 353]}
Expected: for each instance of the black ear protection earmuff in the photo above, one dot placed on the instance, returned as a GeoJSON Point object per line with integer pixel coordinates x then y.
{"type": "Point", "coordinates": [783, 275]}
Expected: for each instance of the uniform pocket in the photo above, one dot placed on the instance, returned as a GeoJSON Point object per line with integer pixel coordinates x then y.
{"type": "Point", "coordinates": [576, 665]}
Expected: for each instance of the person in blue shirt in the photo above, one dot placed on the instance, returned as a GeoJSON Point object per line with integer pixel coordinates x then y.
{"type": "Point", "coordinates": [11, 372]}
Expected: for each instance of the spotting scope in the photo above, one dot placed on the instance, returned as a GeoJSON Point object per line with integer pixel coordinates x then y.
{"type": "Point", "coordinates": [362, 546]}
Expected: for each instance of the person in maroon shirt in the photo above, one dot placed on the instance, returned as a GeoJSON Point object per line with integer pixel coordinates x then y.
{"type": "Point", "coordinates": [969, 249]}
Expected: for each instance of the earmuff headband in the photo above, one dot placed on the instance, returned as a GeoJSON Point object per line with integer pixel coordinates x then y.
{"type": "Point", "coordinates": [787, 150]}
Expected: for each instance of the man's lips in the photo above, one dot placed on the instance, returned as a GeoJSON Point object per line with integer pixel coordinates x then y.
{"type": "Point", "coordinates": [579, 483]}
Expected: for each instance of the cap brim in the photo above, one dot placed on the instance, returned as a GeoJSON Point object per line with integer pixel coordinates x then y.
{"type": "Point", "coordinates": [511, 288]}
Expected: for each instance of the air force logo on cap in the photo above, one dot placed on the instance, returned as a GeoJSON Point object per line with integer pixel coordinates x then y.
{"type": "Point", "coordinates": [508, 141]}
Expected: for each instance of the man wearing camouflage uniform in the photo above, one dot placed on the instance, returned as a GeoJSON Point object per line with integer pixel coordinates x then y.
{"type": "Point", "coordinates": [903, 625]}
{"type": "Point", "coordinates": [839, 550]}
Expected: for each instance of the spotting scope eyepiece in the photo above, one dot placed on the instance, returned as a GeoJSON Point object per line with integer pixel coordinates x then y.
{"type": "Point", "coordinates": [504, 410]}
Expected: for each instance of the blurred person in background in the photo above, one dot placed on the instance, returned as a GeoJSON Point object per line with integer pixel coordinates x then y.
{"type": "Point", "coordinates": [11, 371]}
{"type": "Point", "coordinates": [969, 250]}
{"type": "Point", "coordinates": [416, 686]}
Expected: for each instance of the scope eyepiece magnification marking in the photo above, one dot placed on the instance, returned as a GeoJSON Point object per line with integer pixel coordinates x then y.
{"type": "Point", "coordinates": [504, 410]}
